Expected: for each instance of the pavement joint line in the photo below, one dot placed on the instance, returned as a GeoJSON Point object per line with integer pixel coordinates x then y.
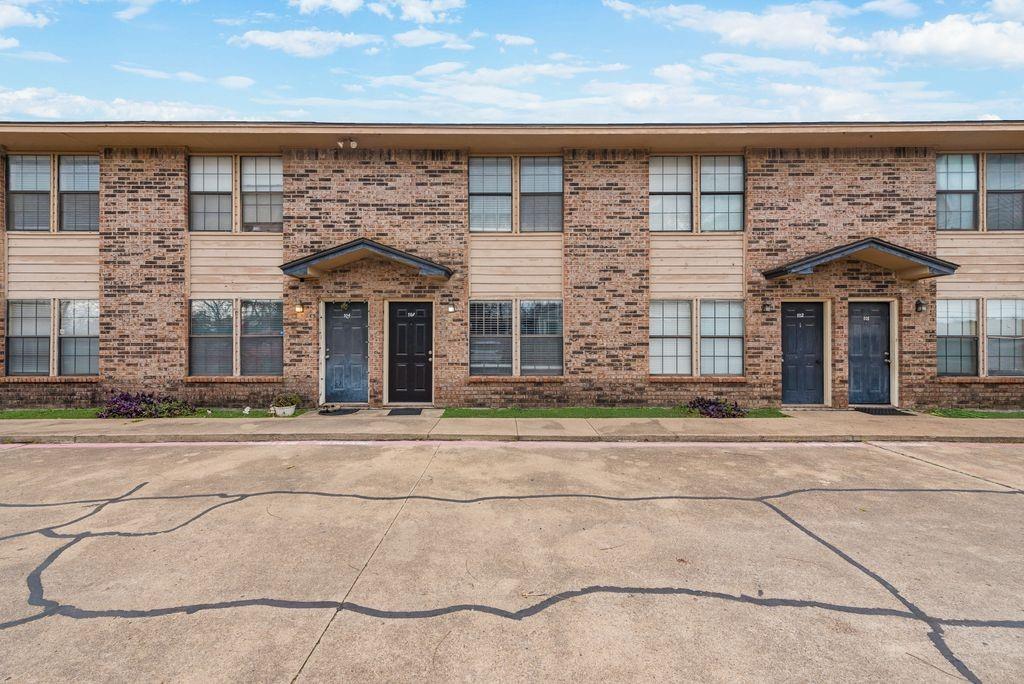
{"type": "Point", "coordinates": [944, 467]}
{"type": "Point", "coordinates": [369, 558]}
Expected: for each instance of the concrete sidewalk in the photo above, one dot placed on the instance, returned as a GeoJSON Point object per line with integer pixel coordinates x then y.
{"type": "Point", "coordinates": [370, 425]}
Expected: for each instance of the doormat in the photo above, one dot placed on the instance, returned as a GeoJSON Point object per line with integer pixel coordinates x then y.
{"type": "Point", "coordinates": [338, 411]}
{"type": "Point", "coordinates": [882, 411]}
{"type": "Point", "coordinates": [405, 412]}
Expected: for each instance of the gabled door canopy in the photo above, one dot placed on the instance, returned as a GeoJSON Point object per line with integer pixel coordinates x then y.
{"type": "Point", "coordinates": [315, 265]}
{"type": "Point", "coordinates": [905, 263]}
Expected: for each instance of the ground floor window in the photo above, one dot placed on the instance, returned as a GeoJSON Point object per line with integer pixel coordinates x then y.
{"type": "Point", "coordinates": [957, 331]}
{"type": "Point", "coordinates": [32, 324]}
{"type": "Point", "coordinates": [217, 347]}
{"type": "Point", "coordinates": [1005, 341]}
{"type": "Point", "coordinates": [494, 337]}
{"type": "Point", "coordinates": [672, 342]}
{"type": "Point", "coordinates": [965, 338]}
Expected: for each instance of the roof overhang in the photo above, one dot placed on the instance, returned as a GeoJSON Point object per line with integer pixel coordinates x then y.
{"type": "Point", "coordinates": [907, 264]}
{"type": "Point", "coordinates": [210, 136]}
{"type": "Point", "coordinates": [315, 265]}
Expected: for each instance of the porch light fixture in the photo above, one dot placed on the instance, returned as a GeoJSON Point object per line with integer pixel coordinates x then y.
{"type": "Point", "coordinates": [766, 307]}
{"type": "Point", "coordinates": [451, 308]}
{"type": "Point", "coordinates": [299, 308]}
{"type": "Point", "coordinates": [920, 306]}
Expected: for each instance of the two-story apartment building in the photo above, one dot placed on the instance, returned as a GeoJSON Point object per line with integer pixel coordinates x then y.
{"type": "Point", "coordinates": [804, 264]}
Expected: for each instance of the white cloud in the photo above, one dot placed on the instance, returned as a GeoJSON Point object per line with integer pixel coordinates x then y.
{"type": "Point", "coordinates": [8, 43]}
{"type": "Point", "coordinates": [186, 76]}
{"type": "Point", "coordinates": [958, 38]}
{"type": "Point", "coordinates": [420, 37]}
{"type": "Point", "coordinates": [513, 40]}
{"type": "Point", "coordinates": [36, 56]}
{"type": "Point", "coordinates": [345, 7]}
{"type": "Point", "coordinates": [419, 11]}
{"type": "Point", "coordinates": [303, 43]}
{"type": "Point", "coordinates": [134, 8]}
{"type": "Point", "coordinates": [1010, 9]}
{"type": "Point", "coordinates": [371, 51]}
{"type": "Point", "coordinates": [441, 68]}
{"type": "Point", "coordinates": [901, 9]}
{"type": "Point", "coordinates": [12, 15]}
{"type": "Point", "coordinates": [779, 26]}
{"type": "Point", "coordinates": [732, 63]}
{"type": "Point", "coordinates": [678, 73]}
{"type": "Point", "coordinates": [235, 82]}
{"type": "Point", "coordinates": [49, 103]}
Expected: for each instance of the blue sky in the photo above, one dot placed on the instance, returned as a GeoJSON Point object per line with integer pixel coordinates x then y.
{"type": "Point", "coordinates": [522, 61]}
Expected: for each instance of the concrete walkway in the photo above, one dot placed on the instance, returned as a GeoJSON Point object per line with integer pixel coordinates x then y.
{"type": "Point", "coordinates": [376, 425]}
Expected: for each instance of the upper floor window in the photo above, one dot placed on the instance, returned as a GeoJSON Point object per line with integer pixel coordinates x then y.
{"type": "Point", "coordinates": [670, 182]}
{"type": "Point", "coordinates": [213, 189]}
{"type": "Point", "coordinates": [79, 186]}
{"type": "Point", "coordinates": [28, 192]}
{"type": "Point", "coordinates": [1004, 199]}
{"type": "Point", "coordinates": [533, 205]}
{"type": "Point", "coordinates": [717, 180]}
{"type": "Point", "coordinates": [956, 183]}
{"type": "Point", "coordinates": [262, 195]}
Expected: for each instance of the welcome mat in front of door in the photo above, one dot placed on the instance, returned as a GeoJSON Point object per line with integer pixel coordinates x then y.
{"type": "Point", "coordinates": [881, 411]}
{"type": "Point", "coordinates": [405, 412]}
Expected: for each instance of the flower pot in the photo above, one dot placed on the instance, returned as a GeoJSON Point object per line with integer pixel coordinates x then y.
{"type": "Point", "coordinates": [283, 411]}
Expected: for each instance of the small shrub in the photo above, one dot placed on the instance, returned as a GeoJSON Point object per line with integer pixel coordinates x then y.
{"type": "Point", "coordinates": [287, 400]}
{"type": "Point", "coordinates": [142, 405]}
{"type": "Point", "coordinates": [716, 408]}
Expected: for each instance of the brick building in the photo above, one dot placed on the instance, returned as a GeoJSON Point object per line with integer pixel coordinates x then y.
{"type": "Point", "coordinates": [810, 264]}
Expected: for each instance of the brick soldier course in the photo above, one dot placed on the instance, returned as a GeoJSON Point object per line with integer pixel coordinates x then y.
{"type": "Point", "coordinates": [798, 201]}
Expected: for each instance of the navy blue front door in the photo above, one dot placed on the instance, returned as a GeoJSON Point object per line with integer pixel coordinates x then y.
{"type": "Point", "coordinates": [411, 352]}
{"type": "Point", "coordinates": [869, 353]}
{"type": "Point", "coordinates": [345, 352]}
{"type": "Point", "coordinates": [803, 353]}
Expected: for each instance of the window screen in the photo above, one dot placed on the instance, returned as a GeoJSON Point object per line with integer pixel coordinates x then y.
{"type": "Point", "coordinates": [490, 194]}
{"type": "Point", "coordinates": [721, 193]}
{"type": "Point", "coordinates": [210, 186]}
{"type": "Point", "coordinates": [262, 338]}
{"type": "Point", "coordinates": [540, 194]}
{"type": "Point", "coordinates": [721, 337]}
{"type": "Point", "coordinates": [540, 338]}
{"type": "Point", "coordinates": [671, 350]}
{"type": "Point", "coordinates": [490, 338]}
{"type": "Point", "coordinates": [1005, 336]}
{"type": "Point", "coordinates": [28, 196]}
{"type": "Point", "coordinates": [956, 184]}
{"type": "Point", "coordinates": [670, 183]}
{"type": "Point", "coordinates": [1004, 181]}
{"type": "Point", "coordinates": [28, 337]}
{"type": "Point", "coordinates": [210, 337]}
{"type": "Point", "coordinates": [79, 333]}
{"type": "Point", "coordinates": [957, 336]}
{"type": "Point", "coordinates": [262, 198]}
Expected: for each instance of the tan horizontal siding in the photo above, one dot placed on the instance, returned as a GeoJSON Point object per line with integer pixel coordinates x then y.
{"type": "Point", "coordinates": [515, 266]}
{"type": "Point", "coordinates": [698, 265]}
{"type": "Point", "coordinates": [238, 265]}
{"type": "Point", "coordinates": [991, 265]}
{"type": "Point", "coordinates": [45, 265]}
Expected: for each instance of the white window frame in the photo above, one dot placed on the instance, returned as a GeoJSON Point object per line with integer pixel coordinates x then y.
{"type": "Point", "coordinates": [55, 336]}
{"type": "Point", "coordinates": [695, 337]}
{"type": "Point", "coordinates": [55, 191]}
{"type": "Point", "coordinates": [516, 336]}
{"type": "Point", "coordinates": [982, 192]}
{"type": "Point", "coordinates": [236, 192]}
{"type": "Point", "coordinates": [516, 199]}
{"type": "Point", "coordinates": [236, 337]}
{"type": "Point", "coordinates": [695, 194]}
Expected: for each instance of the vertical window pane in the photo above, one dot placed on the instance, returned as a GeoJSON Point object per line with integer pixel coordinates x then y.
{"type": "Point", "coordinates": [956, 179]}
{"type": "Point", "coordinates": [28, 196]}
{"type": "Point", "coordinates": [210, 186]}
{"type": "Point", "coordinates": [28, 337]}
{"type": "Point", "coordinates": [1005, 182]}
{"type": "Point", "coordinates": [540, 337]}
{"type": "Point", "coordinates": [670, 347]}
{"type": "Point", "coordinates": [1005, 340]}
{"type": "Point", "coordinates": [540, 188]}
{"type": "Point", "coordinates": [490, 194]}
{"type": "Point", "coordinates": [211, 333]}
{"type": "Point", "coordinates": [490, 338]}
{"type": "Point", "coordinates": [262, 340]}
{"type": "Point", "coordinates": [722, 187]}
{"type": "Point", "coordinates": [262, 198]}
{"type": "Point", "coordinates": [79, 185]}
{"type": "Point", "coordinates": [957, 342]}
{"type": "Point", "coordinates": [721, 342]}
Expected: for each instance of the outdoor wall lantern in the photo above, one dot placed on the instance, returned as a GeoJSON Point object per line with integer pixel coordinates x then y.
{"type": "Point", "coordinates": [766, 307]}
{"type": "Point", "coordinates": [299, 308]}
{"type": "Point", "coordinates": [920, 306]}
{"type": "Point", "coordinates": [451, 308]}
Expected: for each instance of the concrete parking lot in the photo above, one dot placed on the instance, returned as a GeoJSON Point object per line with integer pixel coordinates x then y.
{"type": "Point", "coordinates": [488, 560]}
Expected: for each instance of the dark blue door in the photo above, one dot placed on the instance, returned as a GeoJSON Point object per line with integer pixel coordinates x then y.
{"type": "Point", "coordinates": [803, 353]}
{"type": "Point", "coordinates": [345, 352]}
{"type": "Point", "coordinates": [869, 353]}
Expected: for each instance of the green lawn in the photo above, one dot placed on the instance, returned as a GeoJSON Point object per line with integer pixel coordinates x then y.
{"type": "Point", "coordinates": [54, 414]}
{"type": "Point", "coordinates": [973, 413]}
{"type": "Point", "coordinates": [593, 412]}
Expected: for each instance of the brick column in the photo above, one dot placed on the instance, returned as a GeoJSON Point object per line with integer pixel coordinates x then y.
{"type": "Point", "coordinates": [143, 242]}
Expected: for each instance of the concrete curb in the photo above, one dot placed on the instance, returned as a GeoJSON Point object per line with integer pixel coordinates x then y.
{"type": "Point", "coordinates": [419, 436]}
